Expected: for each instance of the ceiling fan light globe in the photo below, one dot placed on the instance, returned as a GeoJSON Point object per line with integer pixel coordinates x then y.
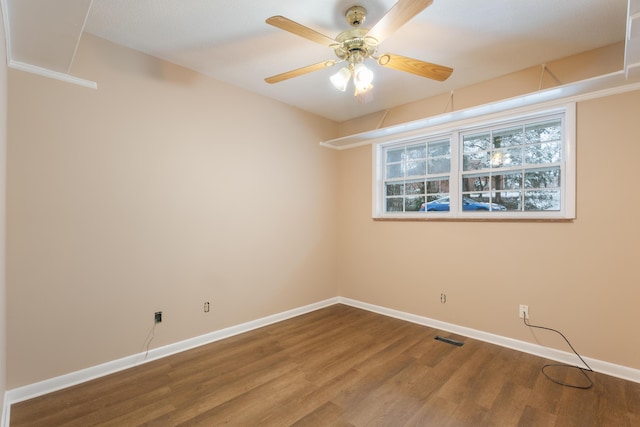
{"type": "Point", "coordinates": [362, 76]}
{"type": "Point", "coordinates": [360, 91]}
{"type": "Point", "coordinates": [341, 79]}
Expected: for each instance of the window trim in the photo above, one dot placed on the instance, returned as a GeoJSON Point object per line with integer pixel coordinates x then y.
{"type": "Point", "coordinates": [453, 130]}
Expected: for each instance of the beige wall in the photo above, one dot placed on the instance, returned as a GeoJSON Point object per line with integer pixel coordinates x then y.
{"type": "Point", "coordinates": [3, 150]}
{"type": "Point", "coordinates": [161, 190]}
{"type": "Point", "coordinates": [164, 189]}
{"type": "Point", "coordinates": [579, 277]}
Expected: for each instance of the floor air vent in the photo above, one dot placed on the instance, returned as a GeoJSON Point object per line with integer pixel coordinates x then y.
{"type": "Point", "coordinates": [450, 341]}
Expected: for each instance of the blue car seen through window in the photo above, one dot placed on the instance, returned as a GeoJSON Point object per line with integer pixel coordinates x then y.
{"type": "Point", "coordinates": [442, 204]}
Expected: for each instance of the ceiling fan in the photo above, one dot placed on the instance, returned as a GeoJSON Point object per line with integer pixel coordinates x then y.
{"type": "Point", "coordinates": [357, 44]}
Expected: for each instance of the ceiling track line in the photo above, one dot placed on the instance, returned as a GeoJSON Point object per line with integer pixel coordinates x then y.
{"type": "Point", "coordinates": [384, 116]}
{"type": "Point", "coordinates": [7, 30]}
{"type": "Point", "coordinates": [84, 23]}
{"type": "Point", "coordinates": [544, 68]}
{"type": "Point", "coordinates": [449, 102]}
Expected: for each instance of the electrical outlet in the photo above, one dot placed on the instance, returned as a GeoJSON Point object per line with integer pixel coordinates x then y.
{"type": "Point", "coordinates": [206, 307]}
{"type": "Point", "coordinates": [443, 298]}
{"type": "Point", "coordinates": [157, 316]}
{"type": "Point", "coordinates": [523, 312]}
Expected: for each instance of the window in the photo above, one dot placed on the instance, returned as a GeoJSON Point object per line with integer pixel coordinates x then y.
{"type": "Point", "coordinates": [416, 173]}
{"type": "Point", "coordinates": [507, 168]}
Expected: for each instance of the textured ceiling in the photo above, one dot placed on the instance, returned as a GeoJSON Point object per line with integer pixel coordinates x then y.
{"type": "Point", "coordinates": [229, 40]}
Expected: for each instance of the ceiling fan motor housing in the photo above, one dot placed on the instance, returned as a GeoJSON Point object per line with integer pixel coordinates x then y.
{"type": "Point", "coordinates": [354, 45]}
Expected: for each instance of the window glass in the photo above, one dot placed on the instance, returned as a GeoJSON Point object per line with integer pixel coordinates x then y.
{"type": "Point", "coordinates": [508, 137]}
{"type": "Point", "coordinates": [542, 200]}
{"type": "Point", "coordinates": [543, 153]}
{"type": "Point", "coordinates": [417, 152]}
{"type": "Point", "coordinates": [416, 168]}
{"type": "Point", "coordinates": [416, 173]}
{"type": "Point", "coordinates": [542, 178]}
{"type": "Point", "coordinates": [395, 155]}
{"type": "Point", "coordinates": [512, 161]}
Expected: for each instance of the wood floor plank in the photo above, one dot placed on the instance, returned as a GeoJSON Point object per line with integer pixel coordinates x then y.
{"type": "Point", "coordinates": [257, 405]}
{"type": "Point", "coordinates": [488, 381]}
{"type": "Point", "coordinates": [399, 397]}
{"type": "Point", "coordinates": [532, 417]}
{"type": "Point", "coordinates": [436, 411]}
{"type": "Point", "coordinates": [329, 415]}
{"type": "Point", "coordinates": [304, 410]}
{"type": "Point", "coordinates": [214, 393]}
{"type": "Point", "coordinates": [632, 396]}
{"type": "Point", "coordinates": [509, 405]}
{"type": "Point", "coordinates": [465, 377]}
{"type": "Point", "coordinates": [546, 394]}
{"type": "Point", "coordinates": [339, 366]}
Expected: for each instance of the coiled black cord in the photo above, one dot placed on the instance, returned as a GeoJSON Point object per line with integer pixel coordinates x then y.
{"type": "Point", "coordinates": [582, 370]}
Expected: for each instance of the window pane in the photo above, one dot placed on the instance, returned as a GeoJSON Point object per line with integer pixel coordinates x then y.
{"type": "Point", "coordinates": [506, 158]}
{"type": "Point", "coordinates": [476, 202]}
{"type": "Point", "coordinates": [437, 204]}
{"type": "Point", "coordinates": [439, 148]}
{"type": "Point", "coordinates": [417, 152]}
{"type": "Point", "coordinates": [438, 186]}
{"type": "Point", "coordinates": [417, 168]}
{"type": "Point", "coordinates": [439, 165]}
{"type": "Point", "coordinates": [543, 153]}
{"type": "Point", "coordinates": [395, 189]}
{"type": "Point", "coordinates": [545, 131]}
{"type": "Point", "coordinates": [413, 203]}
{"type": "Point", "coordinates": [478, 142]}
{"type": "Point", "coordinates": [542, 178]}
{"type": "Point", "coordinates": [475, 161]}
{"type": "Point", "coordinates": [542, 200]}
{"type": "Point", "coordinates": [395, 155]}
{"type": "Point", "coordinates": [506, 181]}
{"type": "Point", "coordinates": [476, 197]}
{"type": "Point", "coordinates": [507, 137]}
{"type": "Point", "coordinates": [395, 171]}
{"type": "Point", "coordinates": [415, 187]}
{"type": "Point", "coordinates": [394, 204]}
{"type": "Point", "coordinates": [475, 182]}
{"type": "Point", "coordinates": [439, 198]}
{"type": "Point", "coordinates": [511, 200]}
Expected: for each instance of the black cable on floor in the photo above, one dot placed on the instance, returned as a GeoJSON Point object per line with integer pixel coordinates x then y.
{"type": "Point", "coordinates": [148, 340]}
{"type": "Point", "coordinates": [582, 370]}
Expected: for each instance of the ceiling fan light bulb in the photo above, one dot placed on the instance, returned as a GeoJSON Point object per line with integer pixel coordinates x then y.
{"type": "Point", "coordinates": [362, 76]}
{"type": "Point", "coordinates": [341, 79]}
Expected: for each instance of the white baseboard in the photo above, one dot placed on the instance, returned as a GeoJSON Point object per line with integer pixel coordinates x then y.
{"type": "Point", "coordinates": [4, 419]}
{"type": "Point", "coordinates": [43, 387]}
{"type": "Point", "coordinates": [600, 366]}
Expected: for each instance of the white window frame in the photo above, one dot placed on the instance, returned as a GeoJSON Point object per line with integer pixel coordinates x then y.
{"type": "Point", "coordinates": [453, 130]}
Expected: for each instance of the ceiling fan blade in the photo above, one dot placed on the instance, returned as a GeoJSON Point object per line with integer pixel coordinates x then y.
{"type": "Point", "coordinates": [299, 72]}
{"type": "Point", "coordinates": [415, 66]}
{"type": "Point", "coordinates": [396, 17]}
{"type": "Point", "coordinates": [300, 30]}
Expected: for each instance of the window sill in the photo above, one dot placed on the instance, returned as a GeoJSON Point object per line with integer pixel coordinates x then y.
{"type": "Point", "coordinates": [472, 219]}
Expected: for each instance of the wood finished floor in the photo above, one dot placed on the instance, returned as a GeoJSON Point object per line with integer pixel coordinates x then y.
{"type": "Point", "coordinates": [339, 366]}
